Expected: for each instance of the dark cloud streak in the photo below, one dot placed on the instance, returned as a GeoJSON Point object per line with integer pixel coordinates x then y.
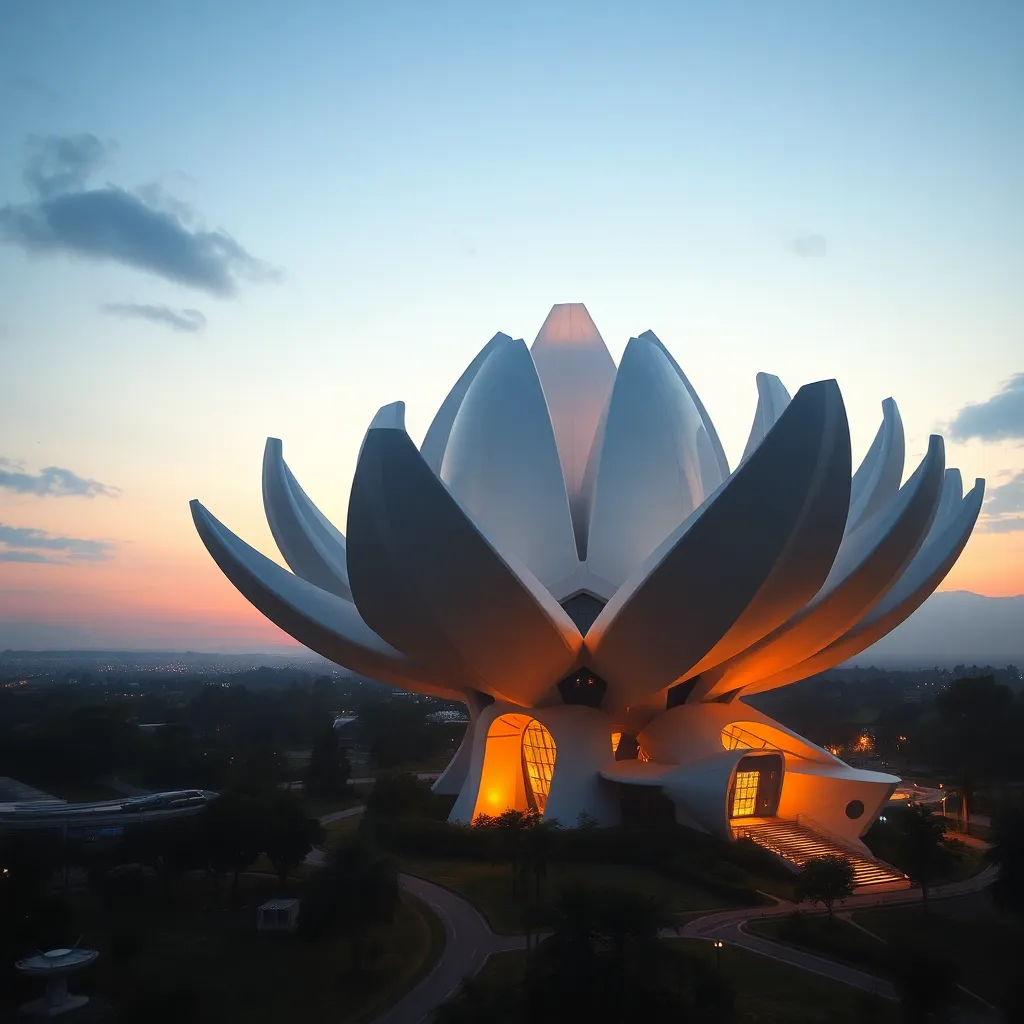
{"type": "Point", "coordinates": [1000, 418]}
{"type": "Point", "coordinates": [25, 544]}
{"type": "Point", "coordinates": [190, 320]}
{"type": "Point", "coordinates": [148, 230]}
{"type": "Point", "coordinates": [810, 246]}
{"type": "Point", "coordinates": [52, 481]}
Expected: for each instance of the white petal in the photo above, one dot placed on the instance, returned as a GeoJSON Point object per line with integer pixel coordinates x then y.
{"type": "Point", "coordinates": [646, 469]}
{"type": "Point", "coordinates": [772, 399]}
{"type": "Point", "coordinates": [743, 562]}
{"type": "Point", "coordinates": [878, 479]}
{"type": "Point", "coordinates": [436, 439]}
{"type": "Point", "coordinates": [426, 579]}
{"type": "Point", "coordinates": [310, 544]}
{"type": "Point", "coordinates": [324, 622]}
{"type": "Point", "coordinates": [577, 373]}
{"type": "Point", "coordinates": [502, 464]}
{"type": "Point", "coordinates": [715, 466]}
{"type": "Point", "coordinates": [869, 562]}
{"type": "Point", "coordinates": [946, 540]}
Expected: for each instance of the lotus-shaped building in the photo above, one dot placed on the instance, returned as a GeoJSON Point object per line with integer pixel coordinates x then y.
{"type": "Point", "coordinates": [569, 553]}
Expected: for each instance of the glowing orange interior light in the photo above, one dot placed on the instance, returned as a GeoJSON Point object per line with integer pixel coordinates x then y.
{"type": "Point", "coordinates": [744, 795]}
{"type": "Point", "coordinates": [616, 737]}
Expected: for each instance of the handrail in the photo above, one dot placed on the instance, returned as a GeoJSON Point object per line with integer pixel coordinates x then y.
{"type": "Point", "coordinates": [815, 826]}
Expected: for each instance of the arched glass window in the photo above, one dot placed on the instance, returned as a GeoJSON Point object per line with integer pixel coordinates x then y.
{"type": "Point", "coordinates": [538, 763]}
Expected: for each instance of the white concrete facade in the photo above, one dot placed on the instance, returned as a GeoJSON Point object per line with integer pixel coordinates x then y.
{"type": "Point", "coordinates": [569, 553]}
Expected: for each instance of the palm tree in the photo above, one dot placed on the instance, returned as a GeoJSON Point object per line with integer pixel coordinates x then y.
{"type": "Point", "coordinates": [924, 851]}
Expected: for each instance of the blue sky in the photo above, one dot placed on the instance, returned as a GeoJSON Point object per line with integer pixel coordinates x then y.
{"type": "Point", "coordinates": [814, 190]}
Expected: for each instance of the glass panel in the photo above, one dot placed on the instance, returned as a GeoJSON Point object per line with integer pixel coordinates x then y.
{"type": "Point", "coordinates": [744, 794]}
{"type": "Point", "coordinates": [735, 738]}
{"type": "Point", "coordinates": [539, 760]}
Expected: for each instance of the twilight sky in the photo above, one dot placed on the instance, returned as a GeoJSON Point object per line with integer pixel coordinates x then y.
{"type": "Point", "coordinates": [222, 222]}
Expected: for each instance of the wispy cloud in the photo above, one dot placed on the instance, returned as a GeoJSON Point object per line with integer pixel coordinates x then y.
{"type": "Point", "coordinates": [191, 320]}
{"type": "Point", "coordinates": [144, 230]}
{"type": "Point", "coordinates": [25, 544]}
{"type": "Point", "coordinates": [1004, 507]}
{"type": "Point", "coordinates": [52, 481]}
{"type": "Point", "coordinates": [810, 246]}
{"type": "Point", "coordinates": [1000, 418]}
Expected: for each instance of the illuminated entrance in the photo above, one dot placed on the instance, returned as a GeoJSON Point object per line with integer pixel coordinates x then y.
{"type": "Point", "coordinates": [756, 786]}
{"type": "Point", "coordinates": [519, 761]}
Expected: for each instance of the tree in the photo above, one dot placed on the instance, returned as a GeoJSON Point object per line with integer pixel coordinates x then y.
{"type": "Point", "coordinates": [541, 842]}
{"type": "Point", "coordinates": [328, 771]}
{"type": "Point", "coordinates": [258, 770]}
{"type": "Point", "coordinates": [1008, 852]}
{"type": "Point", "coordinates": [511, 826]}
{"type": "Point", "coordinates": [826, 880]}
{"type": "Point", "coordinates": [290, 834]}
{"type": "Point", "coordinates": [358, 887]}
{"type": "Point", "coordinates": [922, 850]}
{"type": "Point", "coordinates": [399, 796]}
{"type": "Point", "coordinates": [604, 962]}
{"type": "Point", "coordinates": [231, 835]}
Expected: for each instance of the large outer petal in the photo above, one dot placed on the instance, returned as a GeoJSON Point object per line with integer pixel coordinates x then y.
{"type": "Point", "coordinates": [772, 399]}
{"type": "Point", "coordinates": [502, 464]}
{"type": "Point", "coordinates": [646, 463]}
{"type": "Point", "coordinates": [946, 540]}
{"type": "Point", "coordinates": [869, 562]}
{"type": "Point", "coordinates": [325, 623]}
{"type": "Point", "coordinates": [310, 544]}
{"type": "Point", "coordinates": [743, 562]}
{"type": "Point", "coordinates": [436, 439]}
{"type": "Point", "coordinates": [577, 373]}
{"type": "Point", "coordinates": [427, 580]}
{"type": "Point", "coordinates": [878, 479]}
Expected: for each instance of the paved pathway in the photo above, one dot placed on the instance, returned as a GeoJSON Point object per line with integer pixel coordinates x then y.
{"type": "Point", "coordinates": [469, 940]}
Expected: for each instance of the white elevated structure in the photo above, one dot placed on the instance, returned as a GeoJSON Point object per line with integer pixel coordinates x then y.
{"type": "Point", "coordinates": [569, 553]}
{"type": "Point", "coordinates": [53, 967]}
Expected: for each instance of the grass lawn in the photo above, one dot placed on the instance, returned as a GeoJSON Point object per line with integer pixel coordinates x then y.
{"type": "Point", "coordinates": [836, 939]}
{"type": "Point", "coordinates": [340, 831]}
{"type": "Point", "coordinates": [235, 974]}
{"type": "Point", "coordinates": [767, 992]}
{"type": "Point", "coordinates": [489, 886]}
{"type": "Point", "coordinates": [983, 946]}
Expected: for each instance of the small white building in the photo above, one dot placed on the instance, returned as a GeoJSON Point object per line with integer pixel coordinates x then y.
{"type": "Point", "coordinates": [278, 916]}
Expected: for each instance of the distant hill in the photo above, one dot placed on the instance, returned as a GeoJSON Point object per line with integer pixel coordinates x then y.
{"type": "Point", "coordinates": [955, 628]}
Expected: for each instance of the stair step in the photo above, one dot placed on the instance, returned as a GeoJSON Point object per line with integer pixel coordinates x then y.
{"type": "Point", "coordinates": [797, 844]}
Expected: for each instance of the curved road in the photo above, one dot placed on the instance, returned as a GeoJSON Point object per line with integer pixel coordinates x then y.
{"type": "Point", "coordinates": [469, 940]}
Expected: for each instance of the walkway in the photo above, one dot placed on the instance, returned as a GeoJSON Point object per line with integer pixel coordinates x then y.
{"type": "Point", "coordinates": [468, 943]}
{"type": "Point", "coordinates": [469, 940]}
{"type": "Point", "coordinates": [729, 926]}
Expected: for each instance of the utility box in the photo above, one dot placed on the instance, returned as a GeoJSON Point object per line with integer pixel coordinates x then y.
{"type": "Point", "coordinates": [280, 916]}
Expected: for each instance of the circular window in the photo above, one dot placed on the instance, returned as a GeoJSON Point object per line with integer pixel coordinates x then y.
{"type": "Point", "coordinates": [854, 809]}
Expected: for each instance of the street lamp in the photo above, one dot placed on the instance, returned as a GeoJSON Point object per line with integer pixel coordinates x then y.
{"type": "Point", "coordinates": [718, 954]}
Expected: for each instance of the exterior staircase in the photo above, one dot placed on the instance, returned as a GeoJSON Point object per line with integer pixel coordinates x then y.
{"type": "Point", "coordinates": [798, 842]}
